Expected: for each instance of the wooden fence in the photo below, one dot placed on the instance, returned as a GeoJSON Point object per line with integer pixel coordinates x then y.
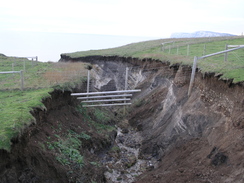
{"type": "Point", "coordinates": [106, 98]}
{"type": "Point", "coordinates": [194, 66]}
{"type": "Point", "coordinates": [21, 77]}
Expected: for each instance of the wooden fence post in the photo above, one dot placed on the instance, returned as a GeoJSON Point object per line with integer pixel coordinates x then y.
{"type": "Point", "coordinates": [188, 50]}
{"type": "Point", "coordinates": [162, 47]}
{"type": "Point", "coordinates": [204, 50]}
{"type": "Point", "coordinates": [126, 78]}
{"type": "Point", "coordinates": [88, 80]}
{"type": "Point", "coordinates": [192, 75]}
{"type": "Point", "coordinates": [21, 80]}
{"type": "Point", "coordinates": [24, 65]}
{"type": "Point", "coordinates": [126, 85]}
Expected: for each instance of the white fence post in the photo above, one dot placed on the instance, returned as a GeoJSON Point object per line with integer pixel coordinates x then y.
{"type": "Point", "coordinates": [126, 78]}
{"type": "Point", "coordinates": [126, 86]}
{"type": "Point", "coordinates": [24, 65]}
{"type": "Point", "coordinates": [192, 75]}
{"type": "Point", "coordinates": [88, 81]}
{"type": "Point", "coordinates": [162, 47]}
{"type": "Point", "coordinates": [21, 80]}
{"type": "Point", "coordinates": [21, 77]}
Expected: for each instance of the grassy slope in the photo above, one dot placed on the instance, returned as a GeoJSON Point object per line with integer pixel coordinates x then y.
{"type": "Point", "coordinates": [40, 79]}
{"type": "Point", "coordinates": [233, 69]}
{"type": "Point", "coordinates": [15, 114]}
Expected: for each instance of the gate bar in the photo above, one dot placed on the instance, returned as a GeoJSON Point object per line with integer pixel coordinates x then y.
{"type": "Point", "coordinates": [105, 96]}
{"type": "Point", "coordinates": [102, 105]}
{"type": "Point", "coordinates": [217, 53]}
{"type": "Point", "coordinates": [107, 92]}
{"type": "Point", "coordinates": [108, 100]}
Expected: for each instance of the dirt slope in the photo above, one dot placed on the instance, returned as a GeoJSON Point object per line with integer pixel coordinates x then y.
{"type": "Point", "coordinates": [34, 156]}
{"type": "Point", "coordinates": [195, 139]}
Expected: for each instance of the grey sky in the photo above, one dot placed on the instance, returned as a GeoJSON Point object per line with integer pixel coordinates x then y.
{"type": "Point", "coordinates": [46, 28]}
{"type": "Point", "coordinates": [155, 18]}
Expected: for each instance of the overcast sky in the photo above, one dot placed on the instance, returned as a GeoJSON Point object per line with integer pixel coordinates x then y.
{"type": "Point", "coordinates": [153, 18]}
{"type": "Point", "coordinates": [47, 28]}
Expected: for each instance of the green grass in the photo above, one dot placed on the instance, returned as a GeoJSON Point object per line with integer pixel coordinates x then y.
{"type": "Point", "coordinates": [232, 69]}
{"type": "Point", "coordinates": [67, 149]}
{"type": "Point", "coordinates": [15, 107]}
{"type": "Point", "coordinates": [99, 118]}
{"type": "Point", "coordinates": [39, 79]}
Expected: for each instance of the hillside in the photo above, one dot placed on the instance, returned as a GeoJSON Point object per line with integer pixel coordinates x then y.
{"type": "Point", "coordinates": [199, 34]}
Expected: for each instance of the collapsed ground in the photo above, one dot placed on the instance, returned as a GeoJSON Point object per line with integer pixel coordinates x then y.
{"type": "Point", "coordinates": [187, 139]}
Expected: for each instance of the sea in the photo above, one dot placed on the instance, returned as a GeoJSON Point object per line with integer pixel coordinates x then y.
{"type": "Point", "coordinates": [48, 46]}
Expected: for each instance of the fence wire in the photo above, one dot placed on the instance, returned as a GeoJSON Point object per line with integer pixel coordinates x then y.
{"type": "Point", "coordinates": [40, 75]}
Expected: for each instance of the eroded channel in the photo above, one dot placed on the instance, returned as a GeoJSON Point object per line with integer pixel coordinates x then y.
{"type": "Point", "coordinates": [123, 161]}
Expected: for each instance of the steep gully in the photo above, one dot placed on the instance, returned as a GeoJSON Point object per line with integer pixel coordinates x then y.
{"type": "Point", "coordinates": [167, 136]}
{"type": "Point", "coordinates": [194, 139]}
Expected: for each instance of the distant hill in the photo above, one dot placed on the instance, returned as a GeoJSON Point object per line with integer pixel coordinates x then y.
{"type": "Point", "coordinates": [199, 34]}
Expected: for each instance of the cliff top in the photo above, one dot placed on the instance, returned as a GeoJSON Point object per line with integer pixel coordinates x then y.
{"type": "Point", "coordinates": [182, 51]}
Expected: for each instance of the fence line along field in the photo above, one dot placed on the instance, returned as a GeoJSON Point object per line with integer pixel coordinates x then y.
{"type": "Point", "coordinates": [39, 79]}
{"type": "Point", "coordinates": [182, 51]}
{"type": "Point", "coordinates": [38, 75]}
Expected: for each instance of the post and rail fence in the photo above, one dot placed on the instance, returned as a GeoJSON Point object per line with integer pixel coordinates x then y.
{"type": "Point", "coordinates": [106, 98]}
{"type": "Point", "coordinates": [21, 77]}
{"type": "Point", "coordinates": [170, 45]}
{"type": "Point", "coordinates": [194, 66]}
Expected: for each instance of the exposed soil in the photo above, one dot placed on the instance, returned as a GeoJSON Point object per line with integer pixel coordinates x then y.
{"type": "Point", "coordinates": [30, 159]}
{"type": "Point", "coordinates": [183, 139]}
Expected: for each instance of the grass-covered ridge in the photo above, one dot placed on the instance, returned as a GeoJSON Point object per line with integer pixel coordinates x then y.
{"type": "Point", "coordinates": [15, 114]}
{"type": "Point", "coordinates": [39, 80]}
{"type": "Point", "coordinates": [178, 51]}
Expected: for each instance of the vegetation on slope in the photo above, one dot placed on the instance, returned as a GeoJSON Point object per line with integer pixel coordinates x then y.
{"type": "Point", "coordinates": [15, 114]}
{"type": "Point", "coordinates": [178, 51]}
{"type": "Point", "coordinates": [39, 79]}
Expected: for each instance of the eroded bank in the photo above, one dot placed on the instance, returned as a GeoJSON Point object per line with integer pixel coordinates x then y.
{"type": "Point", "coordinates": [197, 138]}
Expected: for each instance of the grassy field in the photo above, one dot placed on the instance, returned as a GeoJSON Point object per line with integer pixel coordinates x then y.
{"type": "Point", "coordinates": [183, 51]}
{"type": "Point", "coordinates": [39, 79]}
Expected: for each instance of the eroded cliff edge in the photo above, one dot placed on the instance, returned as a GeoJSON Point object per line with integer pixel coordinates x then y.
{"type": "Point", "coordinates": [186, 139]}
{"type": "Point", "coordinates": [197, 138]}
